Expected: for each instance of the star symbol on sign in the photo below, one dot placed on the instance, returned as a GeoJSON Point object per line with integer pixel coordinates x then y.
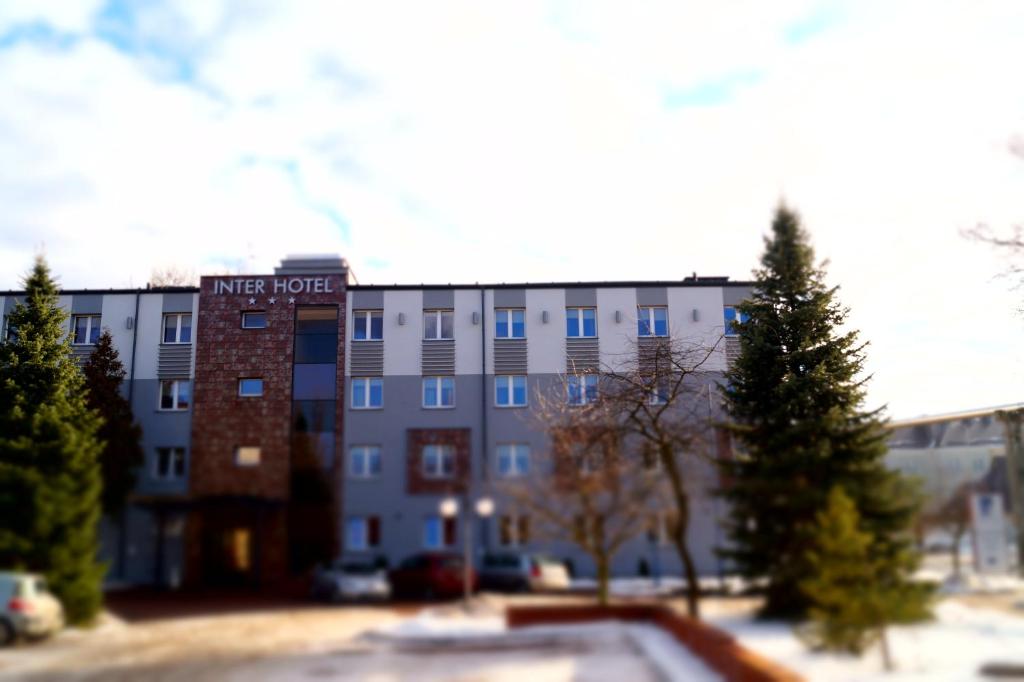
{"type": "Point", "coordinates": [252, 301]}
{"type": "Point", "coordinates": [272, 300]}
{"type": "Point", "coordinates": [291, 300]}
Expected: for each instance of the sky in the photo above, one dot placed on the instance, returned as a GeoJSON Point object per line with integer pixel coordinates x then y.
{"type": "Point", "coordinates": [537, 141]}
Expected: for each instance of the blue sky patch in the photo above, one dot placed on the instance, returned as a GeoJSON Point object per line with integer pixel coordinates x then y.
{"type": "Point", "coordinates": [812, 25]}
{"type": "Point", "coordinates": [712, 92]}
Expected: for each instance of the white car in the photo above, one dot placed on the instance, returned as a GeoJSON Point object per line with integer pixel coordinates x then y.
{"type": "Point", "coordinates": [348, 580]}
{"type": "Point", "coordinates": [27, 609]}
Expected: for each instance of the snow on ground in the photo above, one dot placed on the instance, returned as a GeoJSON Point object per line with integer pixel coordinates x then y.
{"type": "Point", "coordinates": [649, 587]}
{"type": "Point", "coordinates": [950, 649]}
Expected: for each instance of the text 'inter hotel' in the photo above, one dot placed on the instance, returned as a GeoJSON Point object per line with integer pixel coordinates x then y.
{"type": "Point", "coordinates": [297, 415]}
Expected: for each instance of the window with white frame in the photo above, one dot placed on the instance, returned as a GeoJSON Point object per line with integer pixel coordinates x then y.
{"type": "Point", "coordinates": [659, 394]}
{"type": "Point", "coordinates": [362, 533]}
{"type": "Point", "coordinates": [651, 321]}
{"type": "Point", "coordinates": [8, 332]}
{"type": "Point", "coordinates": [509, 323]}
{"type": "Point", "coordinates": [438, 324]}
{"type": "Point", "coordinates": [364, 461]}
{"type": "Point", "coordinates": [254, 320]}
{"type": "Point", "coordinates": [250, 388]}
{"type": "Point", "coordinates": [178, 328]}
{"type": "Point", "coordinates": [732, 316]}
{"type": "Point", "coordinates": [581, 389]}
{"type": "Point", "coordinates": [367, 393]}
{"type": "Point", "coordinates": [247, 456]}
{"type": "Point", "coordinates": [513, 530]}
{"type": "Point", "coordinates": [510, 390]}
{"type": "Point", "coordinates": [438, 461]}
{"type": "Point", "coordinates": [581, 322]}
{"type": "Point", "coordinates": [438, 392]}
{"type": "Point", "coordinates": [175, 394]}
{"type": "Point", "coordinates": [169, 464]}
{"type": "Point", "coordinates": [86, 330]}
{"type": "Point", "coordinates": [439, 532]}
{"type": "Point", "coordinates": [368, 325]}
{"type": "Point", "coordinates": [513, 459]}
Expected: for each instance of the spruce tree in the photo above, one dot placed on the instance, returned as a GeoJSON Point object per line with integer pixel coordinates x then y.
{"type": "Point", "coordinates": [854, 593]}
{"type": "Point", "coordinates": [50, 482]}
{"type": "Point", "coordinates": [794, 396]}
{"type": "Point", "coordinates": [122, 455]}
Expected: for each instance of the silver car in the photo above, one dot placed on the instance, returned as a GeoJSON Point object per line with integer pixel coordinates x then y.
{"type": "Point", "coordinates": [349, 580]}
{"type": "Point", "coordinates": [521, 572]}
{"type": "Point", "coordinates": [27, 608]}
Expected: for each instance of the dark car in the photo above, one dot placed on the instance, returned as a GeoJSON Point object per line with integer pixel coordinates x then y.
{"type": "Point", "coordinates": [522, 572]}
{"type": "Point", "coordinates": [429, 575]}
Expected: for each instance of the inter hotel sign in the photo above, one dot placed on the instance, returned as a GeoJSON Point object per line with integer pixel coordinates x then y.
{"type": "Point", "coordinates": [278, 285]}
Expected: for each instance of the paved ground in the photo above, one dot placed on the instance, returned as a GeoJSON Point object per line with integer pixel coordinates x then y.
{"type": "Point", "coordinates": [214, 637]}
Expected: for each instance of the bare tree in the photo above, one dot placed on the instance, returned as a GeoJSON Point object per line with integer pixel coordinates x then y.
{"type": "Point", "coordinates": [663, 396]}
{"type": "Point", "coordinates": [586, 487]}
{"type": "Point", "coordinates": [953, 516]}
{"type": "Point", "coordinates": [173, 276]}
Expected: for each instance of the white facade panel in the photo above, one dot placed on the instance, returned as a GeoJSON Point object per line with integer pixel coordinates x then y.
{"type": "Point", "coordinates": [147, 340]}
{"type": "Point", "coordinates": [195, 323]}
{"type": "Point", "coordinates": [116, 311]}
{"type": "Point", "coordinates": [468, 335]}
{"type": "Point", "coordinates": [617, 340]}
{"type": "Point", "coordinates": [64, 303]}
{"type": "Point", "coordinates": [704, 332]}
{"type": "Point", "coordinates": [403, 342]}
{"type": "Point", "coordinates": [487, 321]}
{"type": "Point", "coordinates": [545, 350]}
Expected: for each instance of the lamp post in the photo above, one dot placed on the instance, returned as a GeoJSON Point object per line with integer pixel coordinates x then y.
{"type": "Point", "coordinates": [449, 508]}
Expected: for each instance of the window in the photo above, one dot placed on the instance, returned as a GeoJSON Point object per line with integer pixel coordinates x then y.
{"type": "Point", "coordinates": [9, 331]}
{"type": "Point", "coordinates": [250, 388]}
{"type": "Point", "coordinates": [652, 321]}
{"type": "Point", "coordinates": [732, 316]}
{"type": "Point", "coordinates": [513, 459]}
{"type": "Point", "coordinates": [509, 323]}
{"type": "Point", "coordinates": [247, 456]}
{"type": "Point", "coordinates": [178, 328]}
{"type": "Point", "coordinates": [169, 464]}
{"type": "Point", "coordinates": [659, 394]}
{"type": "Point", "coordinates": [438, 324]}
{"type": "Point", "coordinates": [254, 320]}
{"type": "Point", "coordinates": [369, 325]}
{"type": "Point", "coordinates": [438, 461]}
{"type": "Point", "coordinates": [438, 391]}
{"type": "Point", "coordinates": [513, 530]}
{"type": "Point", "coordinates": [580, 322]}
{"type": "Point", "coordinates": [362, 533]}
{"type": "Point", "coordinates": [438, 532]}
{"type": "Point", "coordinates": [581, 389]}
{"type": "Point", "coordinates": [510, 391]}
{"type": "Point", "coordinates": [175, 394]}
{"type": "Point", "coordinates": [87, 329]}
{"type": "Point", "coordinates": [367, 393]}
{"type": "Point", "coordinates": [364, 461]}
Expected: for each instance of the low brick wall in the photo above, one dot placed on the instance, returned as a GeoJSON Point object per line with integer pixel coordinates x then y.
{"type": "Point", "coordinates": [719, 650]}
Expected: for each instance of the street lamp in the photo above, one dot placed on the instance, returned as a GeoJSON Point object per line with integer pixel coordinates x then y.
{"type": "Point", "coordinates": [449, 508]}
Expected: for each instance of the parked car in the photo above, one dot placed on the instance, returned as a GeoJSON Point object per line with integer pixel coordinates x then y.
{"type": "Point", "coordinates": [429, 575]}
{"type": "Point", "coordinates": [350, 580]}
{"type": "Point", "coordinates": [522, 572]}
{"type": "Point", "coordinates": [27, 609]}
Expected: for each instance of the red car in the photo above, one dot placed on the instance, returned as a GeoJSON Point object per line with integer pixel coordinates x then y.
{"type": "Point", "coordinates": [429, 575]}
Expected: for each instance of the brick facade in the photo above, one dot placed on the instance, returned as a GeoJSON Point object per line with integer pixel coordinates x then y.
{"type": "Point", "coordinates": [417, 483]}
{"type": "Point", "coordinates": [223, 421]}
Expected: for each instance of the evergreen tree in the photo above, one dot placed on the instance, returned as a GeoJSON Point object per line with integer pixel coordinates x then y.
{"type": "Point", "coordinates": [854, 593]}
{"type": "Point", "coordinates": [50, 482]}
{"type": "Point", "coordinates": [122, 455]}
{"type": "Point", "coordinates": [794, 398]}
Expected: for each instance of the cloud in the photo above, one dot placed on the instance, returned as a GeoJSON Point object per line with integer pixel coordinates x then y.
{"type": "Point", "coordinates": [540, 141]}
